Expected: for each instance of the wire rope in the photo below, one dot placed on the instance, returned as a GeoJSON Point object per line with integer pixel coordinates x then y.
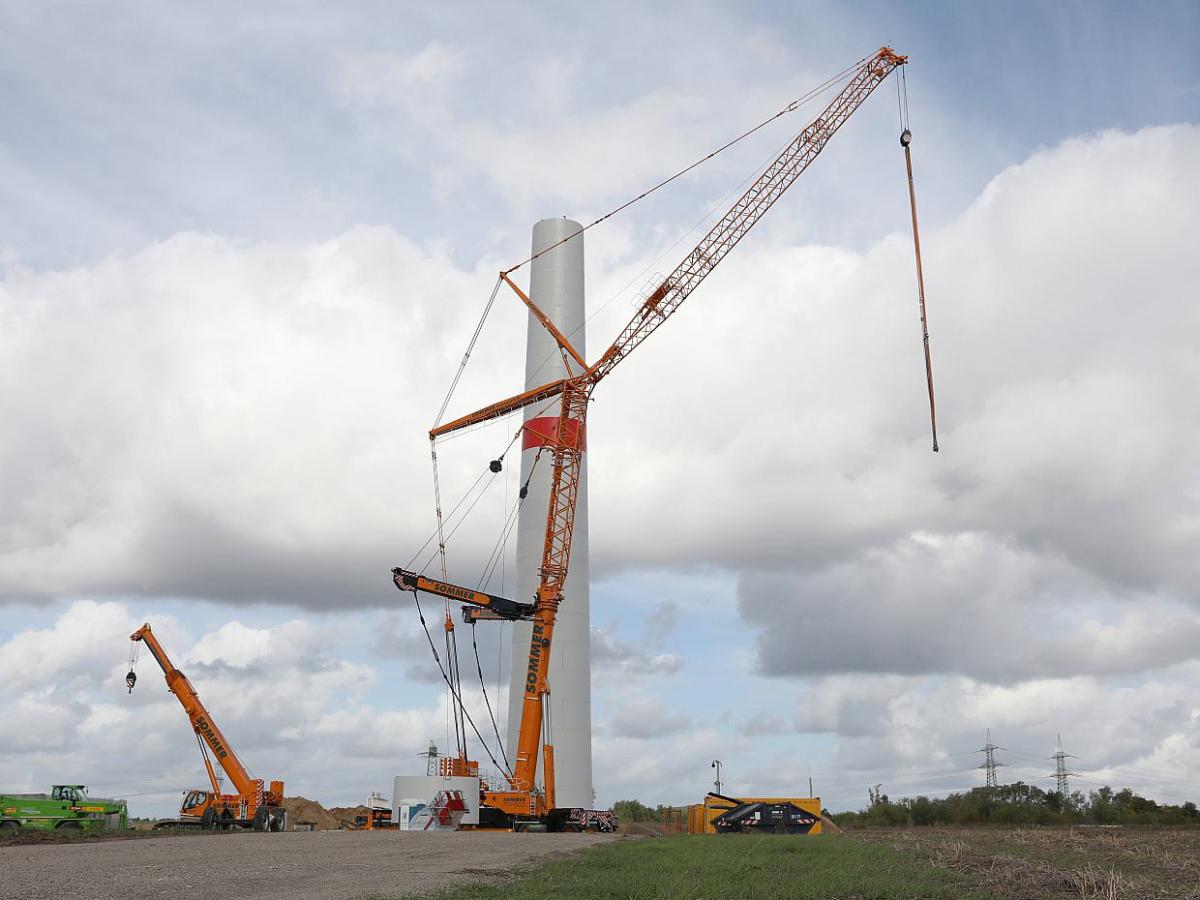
{"type": "Point", "coordinates": [791, 107]}
{"type": "Point", "coordinates": [488, 703]}
{"type": "Point", "coordinates": [710, 214]}
{"type": "Point", "coordinates": [457, 697]}
{"type": "Point", "coordinates": [467, 355]}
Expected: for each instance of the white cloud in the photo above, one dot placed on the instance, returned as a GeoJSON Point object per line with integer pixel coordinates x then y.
{"type": "Point", "coordinates": [373, 80]}
{"type": "Point", "coordinates": [1131, 733]}
{"type": "Point", "coordinates": [612, 656]}
{"type": "Point", "coordinates": [642, 716]}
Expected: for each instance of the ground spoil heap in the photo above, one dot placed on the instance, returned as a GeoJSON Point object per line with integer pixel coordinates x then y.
{"type": "Point", "coordinates": [302, 811]}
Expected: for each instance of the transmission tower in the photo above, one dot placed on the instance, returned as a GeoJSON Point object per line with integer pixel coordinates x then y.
{"type": "Point", "coordinates": [431, 759]}
{"type": "Point", "coordinates": [989, 760]}
{"type": "Point", "coordinates": [1060, 769]}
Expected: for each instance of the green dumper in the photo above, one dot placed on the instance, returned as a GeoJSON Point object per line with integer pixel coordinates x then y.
{"type": "Point", "coordinates": [66, 807]}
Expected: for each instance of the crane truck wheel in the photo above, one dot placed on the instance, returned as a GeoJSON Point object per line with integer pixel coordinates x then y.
{"type": "Point", "coordinates": [9, 825]}
{"type": "Point", "coordinates": [69, 826]}
{"type": "Point", "coordinates": [209, 819]}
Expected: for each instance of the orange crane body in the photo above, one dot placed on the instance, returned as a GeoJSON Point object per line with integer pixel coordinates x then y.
{"type": "Point", "coordinates": [253, 804]}
{"type": "Point", "coordinates": [566, 443]}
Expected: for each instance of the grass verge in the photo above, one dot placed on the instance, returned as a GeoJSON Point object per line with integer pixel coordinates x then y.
{"type": "Point", "coordinates": [729, 866]}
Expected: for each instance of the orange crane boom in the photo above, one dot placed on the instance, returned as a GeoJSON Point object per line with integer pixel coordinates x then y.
{"type": "Point", "coordinates": [565, 444]}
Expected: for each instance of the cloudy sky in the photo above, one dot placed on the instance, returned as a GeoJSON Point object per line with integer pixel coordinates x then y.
{"type": "Point", "coordinates": [243, 251]}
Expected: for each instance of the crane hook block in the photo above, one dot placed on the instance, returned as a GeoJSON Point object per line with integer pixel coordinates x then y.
{"type": "Point", "coordinates": [495, 465]}
{"type": "Point", "coordinates": [905, 138]}
{"type": "Point", "coordinates": [131, 680]}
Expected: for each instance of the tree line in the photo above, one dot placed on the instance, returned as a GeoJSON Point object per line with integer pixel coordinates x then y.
{"type": "Point", "coordinates": [1019, 804]}
{"type": "Point", "coordinates": [1007, 804]}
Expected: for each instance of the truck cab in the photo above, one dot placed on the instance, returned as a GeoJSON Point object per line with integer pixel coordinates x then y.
{"type": "Point", "coordinates": [71, 793]}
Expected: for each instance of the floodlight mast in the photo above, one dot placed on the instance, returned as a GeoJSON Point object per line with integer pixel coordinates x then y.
{"type": "Point", "coordinates": [566, 443]}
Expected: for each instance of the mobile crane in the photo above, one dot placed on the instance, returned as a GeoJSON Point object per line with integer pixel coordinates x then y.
{"type": "Point", "coordinates": [522, 802]}
{"type": "Point", "coordinates": [254, 805]}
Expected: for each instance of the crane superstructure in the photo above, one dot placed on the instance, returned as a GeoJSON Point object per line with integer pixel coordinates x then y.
{"type": "Point", "coordinates": [254, 804]}
{"type": "Point", "coordinates": [566, 442]}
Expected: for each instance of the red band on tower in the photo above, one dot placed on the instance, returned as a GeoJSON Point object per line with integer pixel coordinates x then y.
{"type": "Point", "coordinates": [543, 431]}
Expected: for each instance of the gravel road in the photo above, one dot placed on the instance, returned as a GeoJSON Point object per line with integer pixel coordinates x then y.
{"type": "Point", "coordinates": [316, 865]}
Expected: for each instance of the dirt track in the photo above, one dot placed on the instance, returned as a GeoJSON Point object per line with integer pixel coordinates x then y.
{"type": "Point", "coordinates": [306, 865]}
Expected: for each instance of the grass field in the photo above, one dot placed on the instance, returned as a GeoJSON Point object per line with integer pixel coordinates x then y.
{"type": "Point", "coordinates": [1084, 863]}
{"type": "Point", "coordinates": [736, 866]}
{"type": "Point", "coordinates": [929, 863]}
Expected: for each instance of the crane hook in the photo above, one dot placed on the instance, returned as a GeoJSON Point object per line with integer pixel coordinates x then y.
{"type": "Point", "coordinates": [131, 680]}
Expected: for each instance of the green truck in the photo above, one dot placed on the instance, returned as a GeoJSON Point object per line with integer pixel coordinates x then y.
{"type": "Point", "coordinates": [66, 807]}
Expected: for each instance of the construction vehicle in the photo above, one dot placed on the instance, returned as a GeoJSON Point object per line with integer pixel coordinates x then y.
{"type": "Point", "coordinates": [521, 804]}
{"type": "Point", "coordinates": [765, 816]}
{"type": "Point", "coordinates": [253, 805]}
{"type": "Point", "coordinates": [66, 808]}
{"type": "Point", "coordinates": [378, 815]}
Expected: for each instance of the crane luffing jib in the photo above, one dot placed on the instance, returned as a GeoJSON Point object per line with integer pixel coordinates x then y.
{"type": "Point", "coordinates": [566, 442]}
{"type": "Point", "coordinates": [745, 213]}
{"type": "Point", "coordinates": [206, 729]}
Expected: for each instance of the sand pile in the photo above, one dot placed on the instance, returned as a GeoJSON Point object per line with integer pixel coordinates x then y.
{"type": "Point", "coordinates": [347, 814]}
{"type": "Point", "coordinates": [302, 811]}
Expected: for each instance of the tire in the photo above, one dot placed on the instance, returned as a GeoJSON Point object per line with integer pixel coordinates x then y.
{"type": "Point", "coordinates": [68, 826]}
{"type": "Point", "coordinates": [209, 819]}
{"type": "Point", "coordinates": [10, 826]}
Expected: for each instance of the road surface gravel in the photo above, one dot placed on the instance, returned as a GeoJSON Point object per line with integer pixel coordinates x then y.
{"type": "Point", "coordinates": [314, 865]}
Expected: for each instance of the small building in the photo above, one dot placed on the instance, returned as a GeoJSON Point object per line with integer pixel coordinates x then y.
{"type": "Point", "coordinates": [410, 792]}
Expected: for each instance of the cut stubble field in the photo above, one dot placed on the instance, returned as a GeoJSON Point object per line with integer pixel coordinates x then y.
{"type": "Point", "coordinates": [931, 863]}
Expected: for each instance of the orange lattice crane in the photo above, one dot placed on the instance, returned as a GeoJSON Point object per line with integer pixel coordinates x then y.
{"type": "Point", "coordinates": [521, 802]}
{"type": "Point", "coordinates": [253, 805]}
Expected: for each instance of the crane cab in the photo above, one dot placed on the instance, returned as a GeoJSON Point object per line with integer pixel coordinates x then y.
{"type": "Point", "coordinates": [194, 804]}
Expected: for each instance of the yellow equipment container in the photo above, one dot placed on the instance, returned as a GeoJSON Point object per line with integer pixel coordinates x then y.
{"type": "Point", "coordinates": [700, 816]}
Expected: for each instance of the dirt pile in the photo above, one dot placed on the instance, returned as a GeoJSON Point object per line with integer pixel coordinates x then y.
{"type": "Point", "coordinates": [347, 814]}
{"type": "Point", "coordinates": [302, 811]}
